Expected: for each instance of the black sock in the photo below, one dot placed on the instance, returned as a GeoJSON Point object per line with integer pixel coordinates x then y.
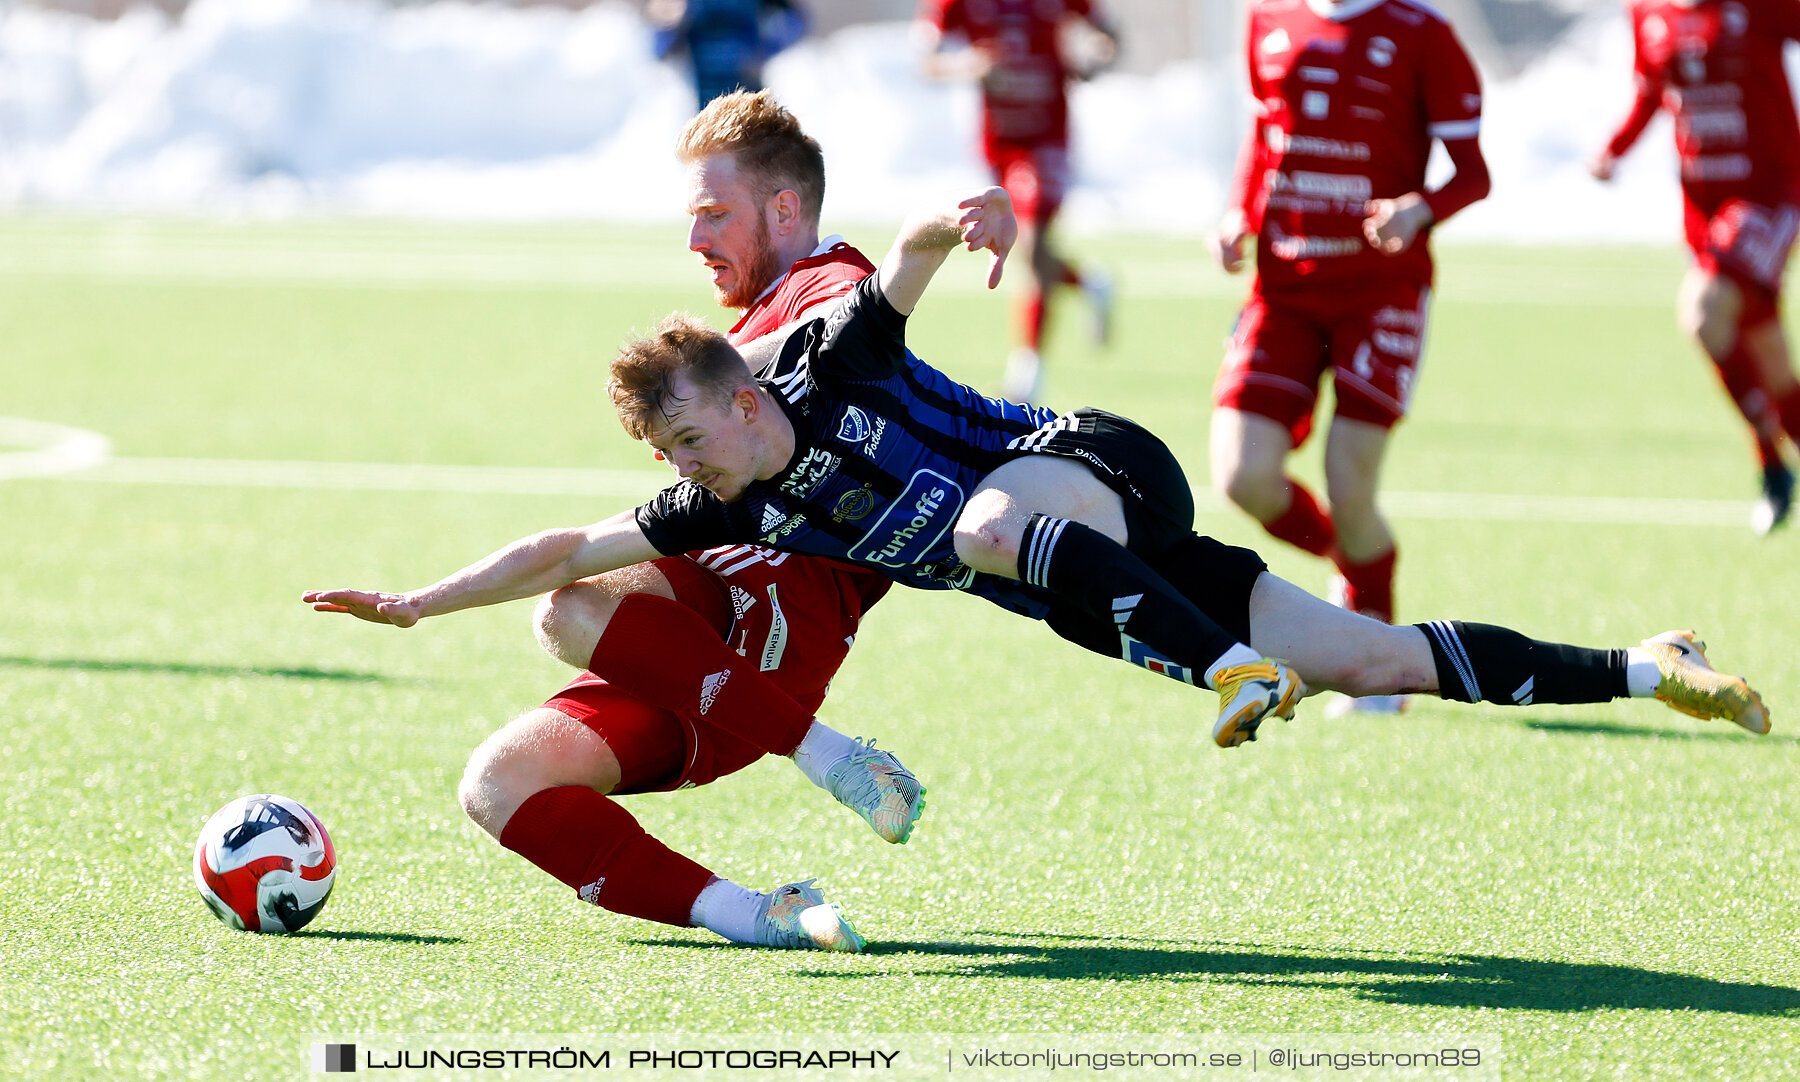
{"type": "Point", "coordinates": [1481, 662]}
{"type": "Point", "coordinates": [1100, 578]}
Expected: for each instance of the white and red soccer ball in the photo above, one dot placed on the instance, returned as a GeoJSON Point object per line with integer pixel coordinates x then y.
{"type": "Point", "coordinates": [264, 864]}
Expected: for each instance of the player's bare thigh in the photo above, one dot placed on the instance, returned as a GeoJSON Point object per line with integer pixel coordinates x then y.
{"type": "Point", "coordinates": [540, 749]}
{"type": "Point", "coordinates": [993, 521]}
{"type": "Point", "coordinates": [1336, 650]}
{"type": "Point", "coordinates": [570, 620]}
{"type": "Point", "coordinates": [1248, 456]}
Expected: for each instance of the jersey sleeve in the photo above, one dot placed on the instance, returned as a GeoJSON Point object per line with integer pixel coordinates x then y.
{"type": "Point", "coordinates": [1452, 87]}
{"type": "Point", "coordinates": [1647, 84]}
{"type": "Point", "coordinates": [682, 518]}
{"type": "Point", "coordinates": [862, 339]}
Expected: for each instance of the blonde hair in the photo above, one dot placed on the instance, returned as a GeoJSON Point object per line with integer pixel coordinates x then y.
{"type": "Point", "coordinates": [766, 142]}
{"type": "Point", "coordinates": [642, 379]}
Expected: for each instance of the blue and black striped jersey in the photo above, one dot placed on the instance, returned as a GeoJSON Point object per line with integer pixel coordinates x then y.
{"type": "Point", "coordinates": [887, 449]}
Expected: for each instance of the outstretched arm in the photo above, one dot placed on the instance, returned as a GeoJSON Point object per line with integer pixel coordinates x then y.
{"type": "Point", "coordinates": [527, 567]}
{"type": "Point", "coordinates": [983, 220]}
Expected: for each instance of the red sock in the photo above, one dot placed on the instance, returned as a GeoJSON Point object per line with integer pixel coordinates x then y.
{"type": "Point", "coordinates": [1066, 274]}
{"type": "Point", "coordinates": [1305, 524]}
{"type": "Point", "coordinates": [1370, 585]}
{"type": "Point", "coordinates": [1031, 319]}
{"type": "Point", "coordinates": [664, 653]}
{"type": "Point", "coordinates": [597, 848]}
{"type": "Point", "coordinates": [1737, 371]}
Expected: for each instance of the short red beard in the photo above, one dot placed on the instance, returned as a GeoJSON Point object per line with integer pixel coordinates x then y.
{"type": "Point", "coordinates": [755, 276]}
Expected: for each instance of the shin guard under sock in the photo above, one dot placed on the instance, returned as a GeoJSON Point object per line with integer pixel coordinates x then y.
{"type": "Point", "coordinates": [664, 653]}
{"type": "Point", "coordinates": [595, 847]}
{"type": "Point", "coordinates": [1484, 663]}
{"type": "Point", "coordinates": [1369, 586]}
{"type": "Point", "coordinates": [1103, 579]}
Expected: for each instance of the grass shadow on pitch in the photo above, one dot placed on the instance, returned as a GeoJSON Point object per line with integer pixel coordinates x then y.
{"type": "Point", "coordinates": [1467, 981]}
{"type": "Point", "coordinates": [407, 939]}
{"type": "Point", "coordinates": [1724, 731]}
{"type": "Point", "coordinates": [183, 668]}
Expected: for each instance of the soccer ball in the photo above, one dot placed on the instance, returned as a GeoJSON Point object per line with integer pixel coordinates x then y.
{"type": "Point", "coordinates": [264, 864]}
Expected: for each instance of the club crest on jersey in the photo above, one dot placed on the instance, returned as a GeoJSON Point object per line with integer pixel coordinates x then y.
{"type": "Point", "coordinates": [813, 470]}
{"type": "Point", "coordinates": [1276, 41]}
{"type": "Point", "coordinates": [1381, 51]}
{"type": "Point", "coordinates": [913, 524]}
{"type": "Point", "coordinates": [1734, 18]}
{"type": "Point", "coordinates": [858, 427]}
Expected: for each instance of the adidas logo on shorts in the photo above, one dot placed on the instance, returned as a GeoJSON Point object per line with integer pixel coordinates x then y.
{"type": "Point", "coordinates": [710, 688]}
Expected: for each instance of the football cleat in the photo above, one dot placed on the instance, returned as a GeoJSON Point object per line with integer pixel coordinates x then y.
{"type": "Point", "coordinates": [873, 784]}
{"type": "Point", "coordinates": [1776, 501]}
{"type": "Point", "coordinates": [1252, 692]}
{"type": "Point", "coordinates": [797, 917]}
{"type": "Point", "coordinates": [1098, 285]}
{"type": "Point", "coordinates": [1692, 686]}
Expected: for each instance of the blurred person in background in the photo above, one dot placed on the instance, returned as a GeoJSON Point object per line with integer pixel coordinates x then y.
{"type": "Point", "coordinates": [726, 41]}
{"type": "Point", "coordinates": [1716, 66]}
{"type": "Point", "coordinates": [1019, 51]}
{"type": "Point", "coordinates": [1350, 96]}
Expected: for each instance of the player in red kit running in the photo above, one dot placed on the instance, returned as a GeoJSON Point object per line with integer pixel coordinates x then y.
{"type": "Point", "coordinates": [1716, 66]}
{"type": "Point", "coordinates": [697, 665]}
{"type": "Point", "coordinates": [1014, 49]}
{"type": "Point", "coordinates": [1331, 182]}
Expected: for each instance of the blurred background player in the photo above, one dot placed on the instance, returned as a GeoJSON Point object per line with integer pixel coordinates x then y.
{"type": "Point", "coordinates": [1016, 50]}
{"type": "Point", "coordinates": [1716, 65]}
{"type": "Point", "coordinates": [726, 41]}
{"type": "Point", "coordinates": [1331, 182]}
{"type": "Point", "coordinates": [698, 665]}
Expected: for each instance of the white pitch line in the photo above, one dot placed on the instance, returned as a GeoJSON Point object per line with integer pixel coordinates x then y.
{"type": "Point", "coordinates": [48, 448]}
{"type": "Point", "coordinates": [637, 484]}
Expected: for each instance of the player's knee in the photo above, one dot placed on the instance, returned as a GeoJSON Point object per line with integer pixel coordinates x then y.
{"type": "Point", "coordinates": [569, 622]}
{"type": "Point", "coordinates": [982, 537]}
{"type": "Point", "coordinates": [501, 773]}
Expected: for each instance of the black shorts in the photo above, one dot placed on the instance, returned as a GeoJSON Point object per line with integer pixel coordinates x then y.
{"type": "Point", "coordinates": [1159, 510]}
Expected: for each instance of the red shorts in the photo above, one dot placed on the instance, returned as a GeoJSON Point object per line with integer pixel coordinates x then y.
{"type": "Point", "coordinates": [1744, 241]}
{"type": "Point", "coordinates": [1035, 175]}
{"type": "Point", "coordinates": [795, 615]}
{"type": "Point", "coordinates": [1369, 339]}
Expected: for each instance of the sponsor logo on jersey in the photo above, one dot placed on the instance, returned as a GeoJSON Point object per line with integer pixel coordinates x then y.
{"type": "Point", "coordinates": [913, 524]}
{"type": "Point", "coordinates": [1318, 75]}
{"type": "Point", "coordinates": [1349, 187]}
{"type": "Point", "coordinates": [1290, 247]}
{"type": "Point", "coordinates": [776, 644]}
{"type": "Point", "coordinates": [1717, 167]}
{"type": "Point", "coordinates": [1315, 146]}
{"type": "Point", "coordinates": [1381, 51]}
{"type": "Point", "coordinates": [710, 688]}
{"type": "Point", "coordinates": [1315, 104]}
{"type": "Point", "coordinates": [852, 506]}
{"type": "Point", "coordinates": [591, 893]}
{"type": "Point", "coordinates": [1275, 41]}
{"type": "Point", "coordinates": [811, 472]}
{"type": "Point", "coordinates": [788, 527]}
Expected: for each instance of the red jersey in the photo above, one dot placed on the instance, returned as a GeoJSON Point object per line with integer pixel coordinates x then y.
{"type": "Point", "coordinates": [1348, 103]}
{"type": "Point", "coordinates": [825, 275]}
{"type": "Point", "coordinates": [1716, 66]}
{"type": "Point", "coordinates": [1024, 97]}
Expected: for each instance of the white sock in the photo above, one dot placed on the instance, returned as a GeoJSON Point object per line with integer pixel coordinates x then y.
{"type": "Point", "coordinates": [728, 909]}
{"type": "Point", "coordinates": [1642, 673]}
{"type": "Point", "coordinates": [821, 749]}
{"type": "Point", "coordinates": [1237, 655]}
